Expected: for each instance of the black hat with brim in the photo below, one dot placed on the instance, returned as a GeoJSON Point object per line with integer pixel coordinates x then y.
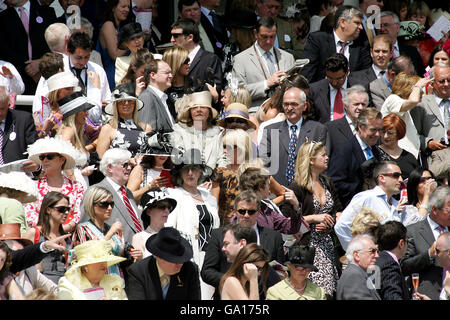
{"type": "Point", "coordinates": [169, 245]}
{"type": "Point", "coordinates": [74, 103]}
{"type": "Point", "coordinates": [303, 256]}
{"type": "Point", "coordinates": [127, 32]}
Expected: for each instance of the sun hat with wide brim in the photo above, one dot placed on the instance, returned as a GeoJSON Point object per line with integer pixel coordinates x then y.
{"type": "Point", "coordinates": [11, 231]}
{"type": "Point", "coordinates": [20, 181]}
{"type": "Point", "coordinates": [53, 145]}
{"type": "Point", "coordinates": [94, 251]}
{"type": "Point", "coordinates": [303, 256]}
{"type": "Point", "coordinates": [236, 110]}
{"type": "Point", "coordinates": [151, 198]}
{"type": "Point", "coordinates": [129, 31]}
{"type": "Point", "coordinates": [411, 30]}
{"type": "Point", "coordinates": [169, 245]}
{"type": "Point", "coordinates": [196, 99]}
{"type": "Point", "coordinates": [61, 80]}
{"type": "Point", "coordinates": [123, 92]}
{"type": "Point", "coordinates": [74, 103]}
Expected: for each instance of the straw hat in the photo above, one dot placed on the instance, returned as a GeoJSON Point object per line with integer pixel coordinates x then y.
{"type": "Point", "coordinates": [168, 244]}
{"type": "Point", "coordinates": [236, 110]}
{"type": "Point", "coordinates": [61, 80]}
{"type": "Point", "coordinates": [196, 99]}
{"type": "Point", "coordinates": [11, 231]}
{"type": "Point", "coordinates": [122, 92]}
{"type": "Point", "coordinates": [74, 103]}
{"type": "Point", "coordinates": [20, 181]}
{"type": "Point", "coordinates": [53, 145]}
{"type": "Point", "coordinates": [94, 251]}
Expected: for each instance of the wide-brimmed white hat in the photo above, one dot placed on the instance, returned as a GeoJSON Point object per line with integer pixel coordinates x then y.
{"type": "Point", "coordinates": [122, 92]}
{"type": "Point", "coordinates": [53, 145]}
{"type": "Point", "coordinates": [20, 181]}
{"type": "Point", "coordinates": [61, 80]}
{"type": "Point", "coordinates": [196, 99]}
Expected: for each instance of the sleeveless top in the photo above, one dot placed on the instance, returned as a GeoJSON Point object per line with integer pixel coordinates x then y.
{"type": "Point", "coordinates": [54, 262]}
{"type": "Point", "coordinates": [129, 136]}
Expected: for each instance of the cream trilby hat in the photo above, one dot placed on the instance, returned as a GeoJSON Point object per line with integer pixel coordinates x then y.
{"type": "Point", "coordinates": [20, 181]}
{"type": "Point", "coordinates": [53, 145]}
{"type": "Point", "coordinates": [94, 251]}
{"type": "Point", "coordinates": [61, 80]}
{"type": "Point", "coordinates": [236, 110]}
{"type": "Point", "coordinates": [197, 99]}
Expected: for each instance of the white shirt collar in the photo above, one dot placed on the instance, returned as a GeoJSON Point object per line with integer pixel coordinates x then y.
{"type": "Point", "coordinates": [337, 39]}
{"type": "Point", "coordinates": [260, 50]}
{"type": "Point", "coordinates": [158, 92]}
{"type": "Point", "coordinates": [299, 124]}
{"type": "Point", "coordinates": [377, 70]}
{"type": "Point", "coordinates": [114, 184]}
{"type": "Point", "coordinates": [193, 53]}
{"type": "Point", "coordinates": [26, 6]}
{"type": "Point", "coordinates": [361, 142]}
{"type": "Point", "coordinates": [206, 11]}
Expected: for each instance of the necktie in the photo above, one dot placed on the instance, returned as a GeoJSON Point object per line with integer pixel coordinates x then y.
{"type": "Point", "coordinates": [1, 147]}
{"type": "Point", "coordinates": [343, 44]}
{"type": "Point", "coordinates": [26, 25]}
{"type": "Point", "coordinates": [369, 32]}
{"type": "Point", "coordinates": [136, 222]}
{"type": "Point", "coordinates": [395, 52]}
{"type": "Point", "coordinates": [165, 285]}
{"type": "Point", "coordinates": [216, 21]}
{"type": "Point", "coordinates": [368, 152]}
{"type": "Point", "coordinates": [382, 72]}
{"type": "Point", "coordinates": [270, 65]}
{"type": "Point", "coordinates": [445, 104]}
{"type": "Point", "coordinates": [80, 80]}
{"type": "Point", "coordinates": [441, 229]}
{"type": "Point", "coordinates": [290, 169]}
{"type": "Point", "coordinates": [338, 111]}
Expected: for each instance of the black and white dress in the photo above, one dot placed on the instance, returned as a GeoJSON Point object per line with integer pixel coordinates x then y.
{"type": "Point", "coordinates": [324, 259]}
{"type": "Point", "coordinates": [129, 136]}
{"type": "Point", "coordinates": [205, 226]}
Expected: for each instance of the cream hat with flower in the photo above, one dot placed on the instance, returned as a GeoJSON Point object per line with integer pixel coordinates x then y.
{"type": "Point", "coordinates": [94, 251]}
{"type": "Point", "coordinates": [53, 145]}
{"type": "Point", "coordinates": [20, 181]}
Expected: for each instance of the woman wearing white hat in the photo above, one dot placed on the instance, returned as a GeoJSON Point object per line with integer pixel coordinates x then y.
{"type": "Point", "coordinates": [87, 278]}
{"type": "Point", "coordinates": [124, 130]}
{"type": "Point", "coordinates": [16, 189]}
{"type": "Point", "coordinates": [55, 155]}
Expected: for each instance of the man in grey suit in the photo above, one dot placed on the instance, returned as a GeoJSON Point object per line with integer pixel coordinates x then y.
{"type": "Point", "coordinates": [275, 142]}
{"type": "Point", "coordinates": [155, 112]}
{"type": "Point", "coordinates": [381, 88]}
{"type": "Point", "coordinates": [421, 255]}
{"type": "Point", "coordinates": [355, 283]}
{"type": "Point", "coordinates": [260, 67]}
{"type": "Point", "coordinates": [116, 167]}
{"type": "Point", "coordinates": [432, 118]}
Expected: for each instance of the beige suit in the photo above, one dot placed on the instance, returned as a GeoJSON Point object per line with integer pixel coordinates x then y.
{"type": "Point", "coordinates": [379, 91]}
{"type": "Point", "coordinates": [248, 70]}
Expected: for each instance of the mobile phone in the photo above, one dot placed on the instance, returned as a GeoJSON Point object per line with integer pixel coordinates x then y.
{"type": "Point", "coordinates": [165, 173]}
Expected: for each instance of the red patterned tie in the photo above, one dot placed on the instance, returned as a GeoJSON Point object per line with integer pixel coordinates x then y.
{"type": "Point", "coordinates": [137, 224]}
{"type": "Point", "coordinates": [338, 111]}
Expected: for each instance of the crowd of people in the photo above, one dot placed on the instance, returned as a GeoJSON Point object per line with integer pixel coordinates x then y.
{"type": "Point", "coordinates": [285, 150]}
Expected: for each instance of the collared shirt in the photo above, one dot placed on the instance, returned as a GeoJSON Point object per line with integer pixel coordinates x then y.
{"type": "Point", "coordinates": [255, 227]}
{"type": "Point", "coordinates": [163, 98]}
{"type": "Point", "coordinates": [375, 199]}
{"type": "Point", "coordinates": [263, 60]}
{"type": "Point", "coordinates": [162, 276]}
{"type": "Point", "coordinates": [440, 107]}
{"type": "Point", "coordinates": [377, 71]}
{"type": "Point", "coordinates": [3, 124]}
{"type": "Point", "coordinates": [363, 145]}
{"type": "Point", "coordinates": [206, 12]}
{"type": "Point", "coordinates": [338, 46]}
{"type": "Point", "coordinates": [388, 84]}
{"type": "Point", "coordinates": [299, 125]}
{"type": "Point", "coordinates": [333, 93]}
{"type": "Point", "coordinates": [393, 256]}
{"type": "Point", "coordinates": [117, 188]}
{"type": "Point", "coordinates": [26, 6]}
{"type": "Point", "coordinates": [193, 53]}
{"type": "Point", "coordinates": [435, 227]}
{"type": "Point", "coordinates": [352, 125]}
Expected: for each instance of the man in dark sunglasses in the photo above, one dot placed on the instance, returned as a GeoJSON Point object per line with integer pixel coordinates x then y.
{"type": "Point", "coordinates": [388, 177]}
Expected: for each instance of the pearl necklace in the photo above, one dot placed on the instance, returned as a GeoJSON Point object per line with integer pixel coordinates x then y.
{"type": "Point", "coordinates": [297, 289]}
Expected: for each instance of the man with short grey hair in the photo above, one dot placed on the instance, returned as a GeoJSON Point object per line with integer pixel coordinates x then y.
{"type": "Point", "coordinates": [355, 284]}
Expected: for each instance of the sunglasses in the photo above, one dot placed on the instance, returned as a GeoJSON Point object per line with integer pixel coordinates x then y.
{"type": "Point", "coordinates": [49, 156]}
{"type": "Point", "coordinates": [127, 164]}
{"type": "Point", "coordinates": [61, 209]}
{"type": "Point", "coordinates": [395, 175]}
{"type": "Point", "coordinates": [235, 120]}
{"type": "Point", "coordinates": [244, 211]}
{"type": "Point", "coordinates": [176, 35]}
{"type": "Point", "coordinates": [372, 251]}
{"type": "Point", "coordinates": [187, 61]}
{"type": "Point", "coordinates": [163, 206]}
{"type": "Point", "coordinates": [423, 179]}
{"type": "Point", "coordinates": [105, 204]}
{"type": "Point", "coordinates": [260, 269]}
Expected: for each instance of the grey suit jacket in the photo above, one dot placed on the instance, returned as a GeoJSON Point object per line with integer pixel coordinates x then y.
{"type": "Point", "coordinates": [274, 146]}
{"type": "Point", "coordinates": [379, 91]}
{"type": "Point", "coordinates": [247, 70]}
{"type": "Point", "coordinates": [428, 120]}
{"type": "Point", "coordinates": [353, 285]}
{"type": "Point", "coordinates": [154, 112]}
{"type": "Point", "coordinates": [120, 212]}
{"type": "Point", "coordinates": [417, 259]}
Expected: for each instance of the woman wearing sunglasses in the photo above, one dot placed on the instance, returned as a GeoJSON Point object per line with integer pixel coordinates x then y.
{"type": "Point", "coordinates": [297, 286]}
{"type": "Point", "coordinates": [55, 155]}
{"type": "Point", "coordinates": [240, 282]}
{"type": "Point", "coordinates": [98, 204]}
{"type": "Point", "coordinates": [53, 213]}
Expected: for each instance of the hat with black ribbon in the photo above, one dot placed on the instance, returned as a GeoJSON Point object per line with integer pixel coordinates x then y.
{"type": "Point", "coordinates": [74, 103]}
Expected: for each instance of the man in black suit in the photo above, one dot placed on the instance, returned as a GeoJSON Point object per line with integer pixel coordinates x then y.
{"type": "Point", "coordinates": [276, 139]}
{"type": "Point", "coordinates": [421, 256]}
{"type": "Point", "coordinates": [345, 161]}
{"type": "Point", "coordinates": [344, 39]}
{"type": "Point", "coordinates": [326, 95]}
{"type": "Point", "coordinates": [17, 132]}
{"type": "Point", "coordinates": [16, 48]}
{"type": "Point", "coordinates": [167, 274]}
{"type": "Point", "coordinates": [390, 25]}
{"type": "Point", "coordinates": [225, 242]}
{"type": "Point", "coordinates": [355, 99]}
{"type": "Point", "coordinates": [205, 67]}
{"type": "Point", "coordinates": [392, 243]}
{"type": "Point", "coordinates": [211, 39]}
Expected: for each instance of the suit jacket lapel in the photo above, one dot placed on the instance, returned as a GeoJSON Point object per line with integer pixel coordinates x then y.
{"type": "Point", "coordinates": [426, 232]}
{"type": "Point", "coordinates": [344, 127]}
{"type": "Point", "coordinates": [162, 114]}
{"type": "Point", "coordinates": [197, 58]}
{"type": "Point", "coordinates": [353, 52]}
{"type": "Point", "coordinates": [9, 124]}
{"type": "Point", "coordinates": [305, 131]}
{"type": "Point", "coordinates": [358, 152]}
{"type": "Point", "coordinates": [284, 135]}
{"type": "Point", "coordinates": [154, 275]}
{"type": "Point", "coordinates": [434, 108]}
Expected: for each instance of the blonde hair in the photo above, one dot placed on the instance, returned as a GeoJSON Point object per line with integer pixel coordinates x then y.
{"type": "Point", "coordinates": [41, 294]}
{"type": "Point", "coordinates": [80, 144]}
{"type": "Point", "coordinates": [253, 163]}
{"type": "Point", "coordinates": [93, 195]}
{"type": "Point", "coordinates": [241, 139]}
{"type": "Point", "coordinates": [114, 122]}
{"type": "Point", "coordinates": [308, 150]}
{"type": "Point", "coordinates": [403, 83]}
{"type": "Point", "coordinates": [365, 221]}
{"type": "Point", "coordinates": [175, 58]}
{"type": "Point", "coordinates": [242, 96]}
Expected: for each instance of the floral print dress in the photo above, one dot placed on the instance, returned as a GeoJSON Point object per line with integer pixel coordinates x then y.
{"type": "Point", "coordinates": [128, 136]}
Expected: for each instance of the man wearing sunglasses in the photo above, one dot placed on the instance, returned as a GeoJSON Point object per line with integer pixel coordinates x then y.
{"type": "Point", "coordinates": [225, 242]}
{"type": "Point", "coordinates": [116, 167]}
{"type": "Point", "coordinates": [388, 177]}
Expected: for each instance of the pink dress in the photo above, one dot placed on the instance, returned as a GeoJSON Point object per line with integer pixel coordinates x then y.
{"type": "Point", "coordinates": [73, 189]}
